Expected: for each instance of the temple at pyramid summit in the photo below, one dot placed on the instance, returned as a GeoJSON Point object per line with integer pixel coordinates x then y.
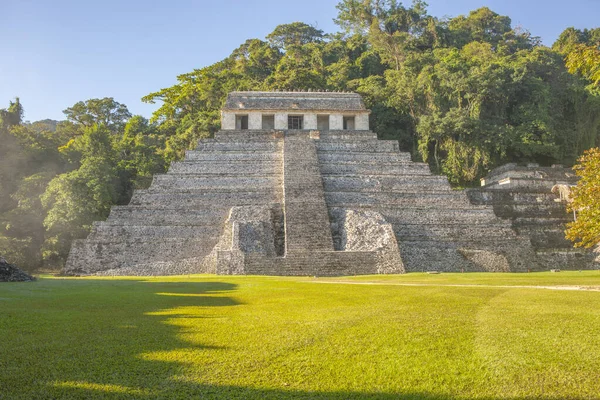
{"type": "Point", "coordinates": [295, 183]}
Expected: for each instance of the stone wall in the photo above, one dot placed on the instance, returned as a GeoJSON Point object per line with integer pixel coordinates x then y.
{"type": "Point", "coordinates": [255, 120]}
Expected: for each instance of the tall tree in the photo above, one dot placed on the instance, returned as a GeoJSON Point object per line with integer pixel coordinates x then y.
{"type": "Point", "coordinates": [393, 29]}
{"type": "Point", "coordinates": [586, 61]}
{"type": "Point", "coordinates": [11, 116]}
{"type": "Point", "coordinates": [585, 230]}
{"type": "Point", "coordinates": [104, 111]}
{"type": "Point", "coordinates": [295, 34]}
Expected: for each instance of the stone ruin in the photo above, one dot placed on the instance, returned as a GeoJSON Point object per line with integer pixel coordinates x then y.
{"type": "Point", "coordinates": [295, 183]}
{"type": "Point", "coordinates": [10, 273]}
{"type": "Point", "coordinates": [533, 199]}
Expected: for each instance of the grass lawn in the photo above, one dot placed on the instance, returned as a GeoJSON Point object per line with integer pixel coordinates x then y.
{"type": "Point", "coordinates": [411, 336]}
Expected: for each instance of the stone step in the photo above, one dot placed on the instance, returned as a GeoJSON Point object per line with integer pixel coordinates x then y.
{"type": "Point", "coordinates": [433, 216]}
{"type": "Point", "coordinates": [235, 168]}
{"type": "Point", "coordinates": [123, 215]}
{"type": "Point", "coordinates": [99, 255]}
{"type": "Point", "coordinates": [224, 156]}
{"type": "Point", "coordinates": [547, 238]}
{"type": "Point", "coordinates": [319, 263]}
{"type": "Point", "coordinates": [509, 197]}
{"type": "Point", "coordinates": [272, 146]}
{"type": "Point", "coordinates": [114, 232]}
{"type": "Point", "coordinates": [245, 135]}
{"type": "Point", "coordinates": [541, 223]}
{"type": "Point", "coordinates": [374, 146]}
{"type": "Point", "coordinates": [202, 200]}
{"type": "Point", "coordinates": [419, 256]}
{"type": "Point", "coordinates": [568, 258]}
{"type": "Point", "coordinates": [185, 266]}
{"type": "Point", "coordinates": [530, 210]}
{"type": "Point", "coordinates": [464, 232]}
{"type": "Point", "coordinates": [191, 181]}
{"type": "Point", "coordinates": [415, 199]}
{"type": "Point", "coordinates": [325, 156]}
{"type": "Point", "coordinates": [422, 187]}
{"type": "Point", "coordinates": [511, 171]}
{"type": "Point", "coordinates": [348, 135]}
{"type": "Point", "coordinates": [528, 185]}
{"type": "Point", "coordinates": [362, 183]}
{"type": "Point", "coordinates": [372, 163]}
{"type": "Point", "coordinates": [570, 251]}
{"type": "Point", "coordinates": [462, 207]}
{"type": "Point", "coordinates": [182, 197]}
{"type": "Point", "coordinates": [375, 169]}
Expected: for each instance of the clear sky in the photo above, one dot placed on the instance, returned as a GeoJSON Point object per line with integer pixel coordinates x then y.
{"type": "Point", "coordinates": [57, 52]}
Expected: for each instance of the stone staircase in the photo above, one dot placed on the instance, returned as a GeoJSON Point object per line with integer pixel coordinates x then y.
{"type": "Point", "coordinates": [308, 239]}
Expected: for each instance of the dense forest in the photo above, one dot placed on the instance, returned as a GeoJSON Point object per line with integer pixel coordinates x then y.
{"type": "Point", "coordinates": [464, 94]}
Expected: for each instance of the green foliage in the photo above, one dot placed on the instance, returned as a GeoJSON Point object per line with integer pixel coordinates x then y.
{"type": "Point", "coordinates": [585, 230]}
{"type": "Point", "coordinates": [586, 61]}
{"type": "Point", "coordinates": [57, 178]}
{"type": "Point", "coordinates": [392, 29]}
{"type": "Point", "coordinates": [572, 37]}
{"type": "Point", "coordinates": [140, 152]}
{"type": "Point", "coordinates": [11, 116]}
{"type": "Point", "coordinates": [104, 111]}
{"type": "Point", "coordinates": [295, 34]}
{"type": "Point", "coordinates": [76, 199]}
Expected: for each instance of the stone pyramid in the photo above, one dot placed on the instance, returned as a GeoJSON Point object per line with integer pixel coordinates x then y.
{"type": "Point", "coordinates": [328, 201]}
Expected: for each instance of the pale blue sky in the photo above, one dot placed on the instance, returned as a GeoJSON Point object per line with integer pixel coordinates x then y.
{"type": "Point", "coordinates": [57, 52]}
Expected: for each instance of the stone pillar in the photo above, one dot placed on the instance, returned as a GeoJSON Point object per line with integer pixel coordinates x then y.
{"type": "Point", "coordinates": [254, 120]}
{"type": "Point", "coordinates": [336, 122]}
{"type": "Point", "coordinates": [281, 121]}
{"type": "Point", "coordinates": [310, 121]}
{"type": "Point", "coordinates": [227, 120]}
{"type": "Point", "coordinates": [361, 122]}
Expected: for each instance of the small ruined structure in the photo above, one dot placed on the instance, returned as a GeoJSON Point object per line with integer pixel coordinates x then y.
{"type": "Point", "coordinates": [10, 273]}
{"type": "Point", "coordinates": [533, 199]}
{"type": "Point", "coordinates": [295, 183]}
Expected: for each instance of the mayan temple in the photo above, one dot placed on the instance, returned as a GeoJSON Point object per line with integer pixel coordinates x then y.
{"type": "Point", "coordinates": [295, 183]}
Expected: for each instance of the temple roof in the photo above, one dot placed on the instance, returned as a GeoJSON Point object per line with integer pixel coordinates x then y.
{"type": "Point", "coordinates": [306, 101]}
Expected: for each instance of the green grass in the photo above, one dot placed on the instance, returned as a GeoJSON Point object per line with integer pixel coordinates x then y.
{"type": "Point", "coordinates": [271, 338]}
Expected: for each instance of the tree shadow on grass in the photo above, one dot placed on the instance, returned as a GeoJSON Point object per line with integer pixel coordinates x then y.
{"type": "Point", "coordinates": [96, 333]}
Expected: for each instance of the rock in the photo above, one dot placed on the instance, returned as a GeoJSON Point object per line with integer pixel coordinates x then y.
{"type": "Point", "coordinates": [10, 273]}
